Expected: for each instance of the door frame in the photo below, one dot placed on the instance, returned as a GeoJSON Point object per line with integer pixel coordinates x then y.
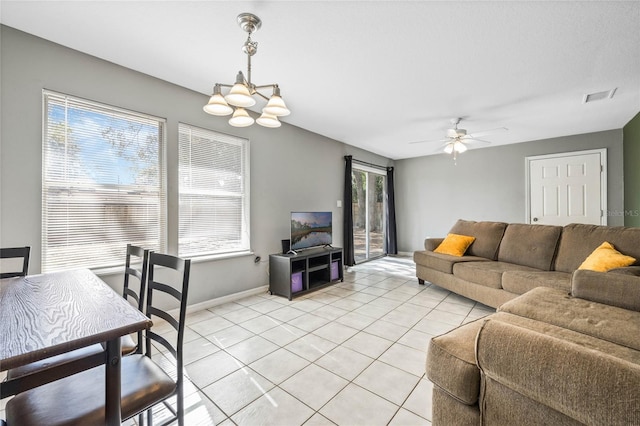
{"type": "Point", "coordinates": [603, 178]}
{"type": "Point", "coordinates": [381, 172]}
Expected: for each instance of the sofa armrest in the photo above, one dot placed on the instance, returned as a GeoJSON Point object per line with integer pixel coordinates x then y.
{"type": "Point", "coordinates": [592, 381]}
{"type": "Point", "coordinates": [614, 288]}
{"type": "Point", "coordinates": [430, 244]}
{"type": "Point", "coordinates": [627, 270]}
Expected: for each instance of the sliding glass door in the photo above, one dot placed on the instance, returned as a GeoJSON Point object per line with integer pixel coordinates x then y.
{"type": "Point", "coordinates": [368, 186]}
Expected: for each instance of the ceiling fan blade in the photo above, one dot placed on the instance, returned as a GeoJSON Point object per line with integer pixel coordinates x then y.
{"type": "Point", "coordinates": [441, 140]}
{"type": "Point", "coordinates": [487, 132]}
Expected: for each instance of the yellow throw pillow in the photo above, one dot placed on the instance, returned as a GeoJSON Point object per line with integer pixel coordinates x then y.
{"type": "Point", "coordinates": [606, 257]}
{"type": "Point", "coordinates": [455, 245]}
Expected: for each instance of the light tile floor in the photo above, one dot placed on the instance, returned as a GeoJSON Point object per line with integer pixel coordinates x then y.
{"type": "Point", "coordinates": [349, 354]}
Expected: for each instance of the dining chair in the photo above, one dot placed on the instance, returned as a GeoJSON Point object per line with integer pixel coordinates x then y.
{"type": "Point", "coordinates": [79, 399]}
{"type": "Point", "coordinates": [134, 255]}
{"type": "Point", "coordinates": [15, 253]}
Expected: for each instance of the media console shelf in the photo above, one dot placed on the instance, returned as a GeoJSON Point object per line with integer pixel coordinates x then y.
{"type": "Point", "coordinates": [295, 274]}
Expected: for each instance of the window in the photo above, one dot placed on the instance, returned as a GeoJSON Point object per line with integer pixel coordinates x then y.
{"type": "Point", "coordinates": [102, 184]}
{"type": "Point", "coordinates": [214, 192]}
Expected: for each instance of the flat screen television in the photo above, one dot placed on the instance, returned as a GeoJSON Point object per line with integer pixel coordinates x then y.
{"type": "Point", "coordinates": [310, 229]}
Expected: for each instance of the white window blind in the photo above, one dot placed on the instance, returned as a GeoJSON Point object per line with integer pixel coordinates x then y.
{"type": "Point", "coordinates": [102, 184]}
{"type": "Point", "coordinates": [214, 192]}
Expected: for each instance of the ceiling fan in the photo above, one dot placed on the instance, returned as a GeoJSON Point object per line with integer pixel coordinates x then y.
{"type": "Point", "coordinates": [456, 139]}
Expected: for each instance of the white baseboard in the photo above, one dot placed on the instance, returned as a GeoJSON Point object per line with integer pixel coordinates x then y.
{"type": "Point", "coordinates": [221, 300]}
{"type": "Point", "coordinates": [225, 299]}
{"type": "Point", "coordinates": [405, 253]}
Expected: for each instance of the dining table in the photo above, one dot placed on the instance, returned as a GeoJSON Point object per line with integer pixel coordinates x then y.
{"type": "Point", "coordinates": [48, 314]}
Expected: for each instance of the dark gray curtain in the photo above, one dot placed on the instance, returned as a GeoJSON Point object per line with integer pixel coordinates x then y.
{"type": "Point", "coordinates": [349, 258]}
{"type": "Point", "coordinates": [391, 241]}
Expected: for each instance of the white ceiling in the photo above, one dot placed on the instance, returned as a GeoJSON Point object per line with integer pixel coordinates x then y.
{"type": "Point", "coordinates": [379, 74]}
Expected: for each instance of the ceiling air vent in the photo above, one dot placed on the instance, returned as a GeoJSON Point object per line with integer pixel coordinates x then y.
{"type": "Point", "coordinates": [598, 96]}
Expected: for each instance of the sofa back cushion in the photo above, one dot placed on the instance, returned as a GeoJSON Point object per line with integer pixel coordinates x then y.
{"type": "Point", "coordinates": [578, 241]}
{"type": "Point", "coordinates": [487, 234]}
{"type": "Point", "coordinates": [530, 245]}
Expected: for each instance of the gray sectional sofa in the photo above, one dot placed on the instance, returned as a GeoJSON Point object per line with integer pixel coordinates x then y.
{"type": "Point", "coordinates": [563, 347]}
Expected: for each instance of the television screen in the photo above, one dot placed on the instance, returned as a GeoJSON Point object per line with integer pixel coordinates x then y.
{"type": "Point", "coordinates": [310, 229]}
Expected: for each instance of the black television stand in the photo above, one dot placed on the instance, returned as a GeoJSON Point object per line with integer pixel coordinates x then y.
{"type": "Point", "coordinates": [294, 274]}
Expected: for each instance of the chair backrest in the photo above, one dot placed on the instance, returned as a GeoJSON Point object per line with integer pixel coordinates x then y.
{"type": "Point", "coordinates": [142, 256]}
{"type": "Point", "coordinates": [12, 253]}
{"type": "Point", "coordinates": [181, 268]}
{"type": "Point", "coordinates": [140, 274]}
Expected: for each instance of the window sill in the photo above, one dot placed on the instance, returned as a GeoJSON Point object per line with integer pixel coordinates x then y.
{"type": "Point", "coordinates": [222, 256]}
{"type": "Point", "coordinates": [194, 259]}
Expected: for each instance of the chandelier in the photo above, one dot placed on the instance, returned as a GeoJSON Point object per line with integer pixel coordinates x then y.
{"type": "Point", "coordinates": [242, 93]}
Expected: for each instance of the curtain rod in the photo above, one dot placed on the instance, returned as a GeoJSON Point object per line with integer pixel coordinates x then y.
{"type": "Point", "coordinates": [370, 164]}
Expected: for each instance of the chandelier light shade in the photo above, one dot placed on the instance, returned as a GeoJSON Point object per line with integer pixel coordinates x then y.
{"type": "Point", "coordinates": [268, 120]}
{"type": "Point", "coordinates": [276, 105]}
{"type": "Point", "coordinates": [243, 92]}
{"type": "Point", "coordinates": [239, 94]}
{"type": "Point", "coordinates": [217, 104]}
{"type": "Point", "coordinates": [241, 118]}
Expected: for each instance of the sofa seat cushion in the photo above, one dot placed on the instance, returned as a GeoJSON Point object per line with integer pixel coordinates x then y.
{"type": "Point", "coordinates": [585, 378]}
{"type": "Point", "coordinates": [451, 363]}
{"type": "Point", "coordinates": [488, 236]}
{"type": "Point", "coordinates": [520, 282]}
{"type": "Point", "coordinates": [548, 305]}
{"type": "Point", "coordinates": [530, 245]}
{"type": "Point", "coordinates": [488, 274]}
{"type": "Point", "coordinates": [442, 262]}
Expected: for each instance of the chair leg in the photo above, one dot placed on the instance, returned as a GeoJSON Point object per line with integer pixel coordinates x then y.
{"type": "Point", "coordinates": [180, 406]}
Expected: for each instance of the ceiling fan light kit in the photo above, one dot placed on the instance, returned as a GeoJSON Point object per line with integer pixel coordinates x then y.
{"type": "Point", "coordinates": [456, 139]}
{"type": "Point", "coordinates": [455, 146]}
{"type": "Point", "coordinates": [242, 92]}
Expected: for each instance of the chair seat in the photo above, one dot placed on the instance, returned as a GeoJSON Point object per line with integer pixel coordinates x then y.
{"type": "Point", "coordinates": [127, 345]}
{"type": "Point", "coordinates": [79, 399]}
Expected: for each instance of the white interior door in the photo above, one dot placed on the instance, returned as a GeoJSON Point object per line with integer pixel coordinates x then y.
{"type": "Point", "coordinates": [567, 188]}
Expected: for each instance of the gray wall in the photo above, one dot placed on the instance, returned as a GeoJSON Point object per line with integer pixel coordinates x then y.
{"type": "Point", "coordinates": [291, 169]}
{"type": "Point", "coordinates": [486, 184]}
